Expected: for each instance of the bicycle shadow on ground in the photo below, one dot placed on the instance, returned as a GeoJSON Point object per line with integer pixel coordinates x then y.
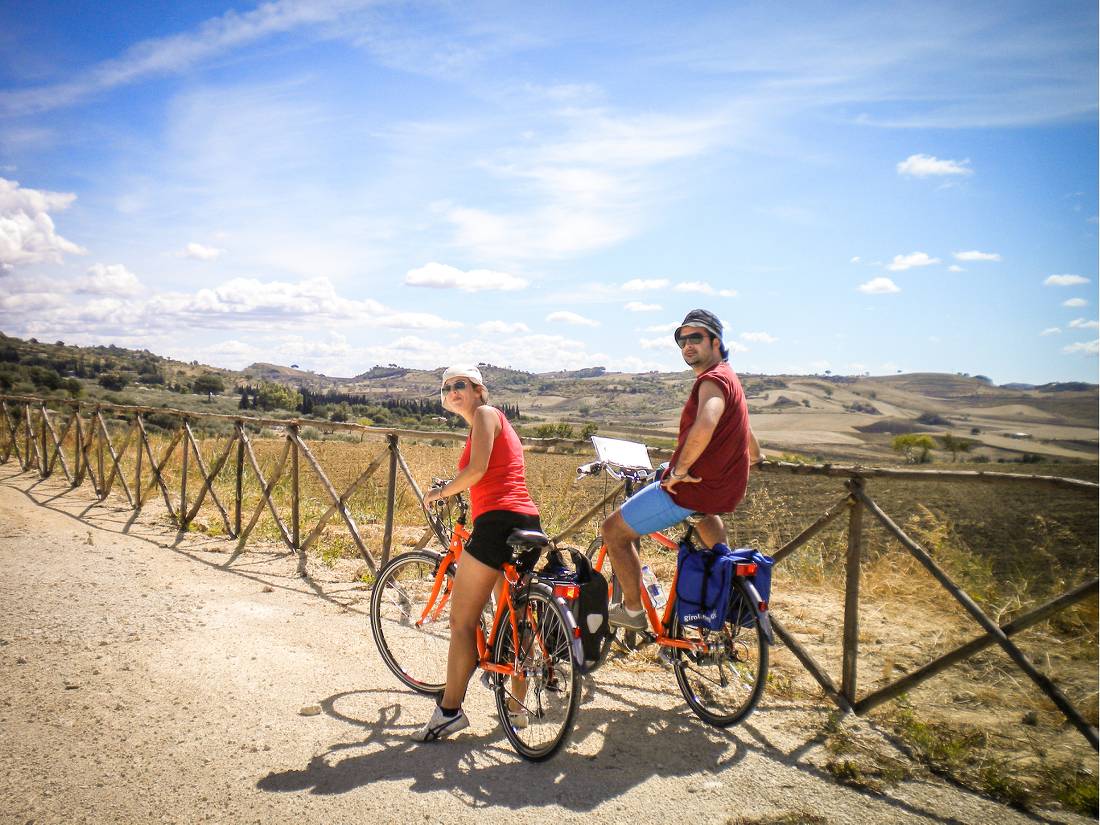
{"type": "Point", "coordinates": [613, 750]}
{"type": "Point", "coordinates": [480, 767]}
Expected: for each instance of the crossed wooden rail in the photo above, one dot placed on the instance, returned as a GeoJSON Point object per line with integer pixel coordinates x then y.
{"type": "Point", "coordinates": [38, 446]}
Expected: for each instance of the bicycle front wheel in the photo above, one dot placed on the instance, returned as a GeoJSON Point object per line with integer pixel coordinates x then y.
{"type": "Point", "coordinates": [537, 709]}
{"type": "Point", "coordinates": [723, 684]}
{"type": "Point", "coordinates": [411, 626]}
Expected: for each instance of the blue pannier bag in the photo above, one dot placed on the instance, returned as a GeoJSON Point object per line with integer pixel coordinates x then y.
{"type": "Point", "coordinates": [704, 583]}
{"type": "Point", "coordinates": [705, 592]}
{"type": "Point", "coordinates": [761, 580]}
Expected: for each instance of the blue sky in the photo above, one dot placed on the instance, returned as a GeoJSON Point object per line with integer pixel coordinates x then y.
{"type": "Point", "coordinates": [854, 187]}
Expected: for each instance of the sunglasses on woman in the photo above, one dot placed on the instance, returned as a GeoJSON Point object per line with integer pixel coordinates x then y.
{"type": "Point", "coordinates": [457, 385]}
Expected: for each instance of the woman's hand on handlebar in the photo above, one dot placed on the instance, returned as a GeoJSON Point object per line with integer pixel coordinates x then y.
{"type": "Point", "coordinates": [435, 494]}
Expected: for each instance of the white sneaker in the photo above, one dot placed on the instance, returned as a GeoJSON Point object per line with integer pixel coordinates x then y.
{"type": "Point", "coordinates": [440, 726]}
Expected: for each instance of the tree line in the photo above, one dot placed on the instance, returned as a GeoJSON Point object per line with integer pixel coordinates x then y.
{"type": "Point", "coordinates": [341, 406]}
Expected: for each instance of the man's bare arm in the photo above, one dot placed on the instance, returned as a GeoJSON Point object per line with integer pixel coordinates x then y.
{"type": "Point", "coordinates": [711, 406]}
{"type": "Point", "coordinates": [755, 456]}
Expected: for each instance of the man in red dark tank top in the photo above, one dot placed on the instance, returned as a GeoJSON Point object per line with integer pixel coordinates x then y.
{"type": "Point", "coordinates": [709, 470]}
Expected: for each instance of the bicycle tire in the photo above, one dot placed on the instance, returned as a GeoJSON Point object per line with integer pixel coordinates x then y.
{"type": "Point", "coordinates": [552, 681]}
{"type": "Point", "coordinates": [724, 685]}
{"type": "Point", "coordinates": [416, 654]}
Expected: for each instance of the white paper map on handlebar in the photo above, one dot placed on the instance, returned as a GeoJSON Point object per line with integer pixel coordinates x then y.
{"type": "Point", "coordinates": [631, 454]}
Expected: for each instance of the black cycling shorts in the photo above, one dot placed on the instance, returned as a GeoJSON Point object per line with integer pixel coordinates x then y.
{"type": "Point", "coordinates": [489, 540]}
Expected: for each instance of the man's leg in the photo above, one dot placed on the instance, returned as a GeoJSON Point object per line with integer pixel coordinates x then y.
{"type": "Point", "coordinates": [620, 538]}
{"type": "Point", "coordinates": [711, 530]}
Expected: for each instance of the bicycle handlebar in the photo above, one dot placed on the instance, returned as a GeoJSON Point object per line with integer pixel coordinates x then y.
{"type": "Point", "coordinates": [616, 471]}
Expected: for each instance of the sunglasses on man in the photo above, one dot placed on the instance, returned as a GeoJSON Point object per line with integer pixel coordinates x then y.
{"type": "Point", "coordinates": [695, 338]}
{"type": "Point", "coordinates": [457, 385]}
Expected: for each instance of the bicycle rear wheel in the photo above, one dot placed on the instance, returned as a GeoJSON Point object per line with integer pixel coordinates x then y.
{"type": "Point", "coordinates": [723, 685]}
{"type": "Point", "coordinates": [537, 713]}
{"type": "Point", "coordinates": [413, 645]}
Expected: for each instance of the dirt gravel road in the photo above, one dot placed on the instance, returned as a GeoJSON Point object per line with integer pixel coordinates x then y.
{"type": "Point", "coordinates": [144, 682]}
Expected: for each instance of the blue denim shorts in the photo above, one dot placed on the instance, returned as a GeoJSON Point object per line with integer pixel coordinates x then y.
{"type": "Point", "coordinates": [652, 509]}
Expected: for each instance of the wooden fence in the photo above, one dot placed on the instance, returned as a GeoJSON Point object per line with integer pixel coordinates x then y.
{"type": "Point", "coordinates": [29, 432]}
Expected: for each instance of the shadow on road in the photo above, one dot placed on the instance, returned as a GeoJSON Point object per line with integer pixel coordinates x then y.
{"type": "Point", "coordinates": [636, 743]}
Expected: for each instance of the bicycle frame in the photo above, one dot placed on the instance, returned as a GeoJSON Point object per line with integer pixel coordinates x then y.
{"type": "Point", "coordinates": [658, 624]}
{"type": "Point", "coordinates": [441, 594]}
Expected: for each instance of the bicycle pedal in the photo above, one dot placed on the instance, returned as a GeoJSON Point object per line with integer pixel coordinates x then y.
{"type": "Point", "coordinates": [487, 680]}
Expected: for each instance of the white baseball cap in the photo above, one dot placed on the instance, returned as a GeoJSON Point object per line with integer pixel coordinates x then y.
{"type": "Point", "coordinates": [463, 371]}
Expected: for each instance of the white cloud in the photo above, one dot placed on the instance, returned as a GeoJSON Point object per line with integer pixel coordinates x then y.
{"type": "Point", "coordinates": [758, 337]}
{"type": "Point", "coordinates": [1065, 280]}
{"type": "Point", "coordinates": [704, 288]}
{"type": "Point", "coordinates": [1083, 323]}
{"type": "Point", "coordinates": [734, 346]}
{"type": "Point", "coordinates": [442, 276]}
{"type": "Point", "coordinates": [502, 327]}
{"type": "Point", "coordinates": [879, 286]}
{"type": "Point", "coordinates": [200, 252]}
{"type": "Point", "coordinates": [855, 259]}
{"type": "Point", "coordinates": [638, 306]}
{"type": "Point", "coordinates": [244, 304]}
{"type": "Point", "coordinates": [27, 233]}
{"type": "Point", "coordinates": [565, 317]}
{"type": "Point", "coordinates": [1075, 302]}
{"type": "Point", "coordinates": [923, 166]}
{"type": "Point", "coordinates": [670, 327]}
{"type": "Point", "coordinates": [955, 268]}
{"type": "Point", "coordinates": [639, 285]}
{"type": "Point", "coordinates": [553, 231]}
{"type": "Point", "coordinates": [589, 184]}
{"type": "Point", "coordinates": [1083, 348]}
{"type": "Point", "coordinates": [112, 279]}
{"type": "Point", "coordinates": [975, 255]}
{"type": "Point", "coordinates": [1051, 331]}
{"type": "Point", "coordinates": [663, 342]}
{"type": "Point", "coordinates": [913, 259]}
{"type": "Point", "coordinates": [176, 53]}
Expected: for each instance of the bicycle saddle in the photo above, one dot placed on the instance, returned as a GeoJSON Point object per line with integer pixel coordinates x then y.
{"type": "Point", "coordinates": [527, 538]}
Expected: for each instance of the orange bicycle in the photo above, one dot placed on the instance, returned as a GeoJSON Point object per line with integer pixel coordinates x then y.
{"type": "Point", "coordinates": [722, 673]}
{"type": "Point", "coordinates": [528, 643]}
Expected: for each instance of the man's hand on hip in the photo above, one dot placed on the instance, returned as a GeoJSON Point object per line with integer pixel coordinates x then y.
{"type": "Point", "coordinates": [671, 480]}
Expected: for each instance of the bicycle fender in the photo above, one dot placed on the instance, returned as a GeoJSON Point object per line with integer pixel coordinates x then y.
{"type": "Point", "coordinates": [576, 647]}
{"type": "Point", "coordinates": [752, 597]}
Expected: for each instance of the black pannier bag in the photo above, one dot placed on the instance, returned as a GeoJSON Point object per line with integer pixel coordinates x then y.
{"type": "Point", "coordinates": [589, 606]}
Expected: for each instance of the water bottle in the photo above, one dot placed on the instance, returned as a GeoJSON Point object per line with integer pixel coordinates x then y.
{"type": "Point", "coordinates": [656, 595]}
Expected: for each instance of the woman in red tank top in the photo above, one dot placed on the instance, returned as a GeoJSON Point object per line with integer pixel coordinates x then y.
{"type": "Point", "coordinates": [491, 468]}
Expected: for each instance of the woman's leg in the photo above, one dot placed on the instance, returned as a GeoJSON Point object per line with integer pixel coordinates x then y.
{"type": "Point", "coordinates": [474, 581]}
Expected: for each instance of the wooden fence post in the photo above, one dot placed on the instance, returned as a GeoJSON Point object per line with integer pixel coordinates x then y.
{"type": "Point", "coordinates": [137, 469]}
{"type": "Point", "coordinates": [78, 474]}
{"type": "Point", "coordinates": [45, 467]}
{"type": "Point", "coordinates": [27, 438]}
{"type": "Point", "coordinates": [391, 499]}
{"type": "Point", "coordinates": [295, 489]}
{"type": "Point", "coordinates": [239, 479]}
{"type": "Point", "coordinates": [849, 667]}
{"type": "Point", "coordinates": [183, 478]}
{"type": "Point", "coordinates": [99, 459]}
